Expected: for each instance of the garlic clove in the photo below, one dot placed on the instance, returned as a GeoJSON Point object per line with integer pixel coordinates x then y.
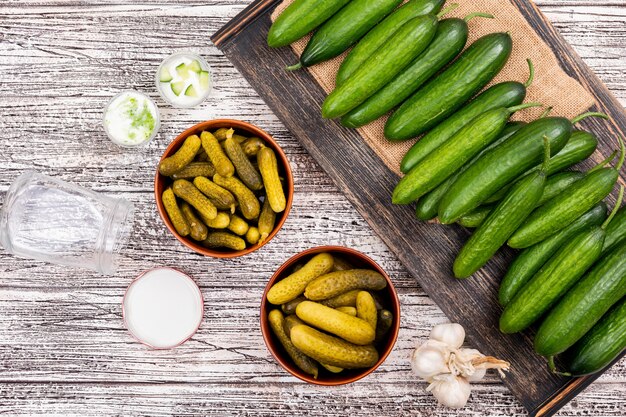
{"type": "Point", "coordinates": [450, 390]}
{"type": "Point", "coordinates": [430, 359]}
{"type": "Point", "coordinates": [476, 375]}
{"type": "Point", "coordinates": [452, 334]}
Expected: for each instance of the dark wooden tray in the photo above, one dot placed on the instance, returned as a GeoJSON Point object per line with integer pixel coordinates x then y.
{"type": "Point", "coordinates": [427, 250]}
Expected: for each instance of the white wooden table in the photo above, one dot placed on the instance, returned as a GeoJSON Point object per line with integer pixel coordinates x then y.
{"type": "Point", "coordinates": [63, 346]}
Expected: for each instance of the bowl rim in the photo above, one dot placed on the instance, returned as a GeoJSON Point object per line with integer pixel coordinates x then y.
{"type": "Point", "coordinates": [266, 331]}
{"type": "Point", "coordinates": [142, 275]}
{"type": "Point", "coordinates": [249, 128]}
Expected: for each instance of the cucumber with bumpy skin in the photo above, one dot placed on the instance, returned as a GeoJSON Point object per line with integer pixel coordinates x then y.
{"type": "Point", "coordinates": [300, 18]}
{"type": "Point", "coordinates": [554, 278]}
{"type": "Point", "coordinates": [530, 260]}
{"type": "Point", "coordinates": [600, 346]}
{"type": "Point", "coordinates": [584, 305]}
{"type": "Point", "coordinates": [501, 165]}
{"type": "Point", "coordinates": [616, 232]}
{"type": "Point", "coordinates": [579, 147]}
{"type": "Point", "coordinates": [502, 221]}
{"type": "Point", "coordinates": [403, 47]}
{"type": "Point", "coordinates": [441, 96]}
{"type": "Point", "coordinates": [427, 206]}
{"type": "Point", "coordinates": [506, 94]}
{"type": "Point", "coordinates": [381, 33]}
{"type": "Point", "coordinates": [453, 154]}
{"type": "Point", "coordinates": [567, 206]}
{"type": "Point", "coordinates": [448, 42]}
{"type": "Point", "coordinates": [554, 185]}
{"type": "Point", "coordinates": [343, 30]}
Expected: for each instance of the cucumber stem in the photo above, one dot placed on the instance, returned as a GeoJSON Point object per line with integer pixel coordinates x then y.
{"type": "Point", "coordinates": [546, 112]}
{"type": "Point", "coordinates": [478, 14]}
{"type": "Point", "coordinates": [523, 106]}
{"type": "Point", "coordinates": [603, 163]}
{"type": "Point", "coordinates": [294, 67]}
{"type": "Point", "coordinates": [552, 367]}
{"type": "Point", "coordinates": [546, 154]}
{"type": "Point", "coordinates": [622, 151]}
{"type": "Point", "coordinates": [531, 73]}
{"type": "Point", "coordinates": [447, 10]}
{"type": "Point", "coordinates": [589, 114]}
{"type": "Point", "coordinates": [618, 203]}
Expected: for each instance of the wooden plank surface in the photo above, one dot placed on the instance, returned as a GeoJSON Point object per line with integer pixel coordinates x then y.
{"type": "Point", "coordinates": [63, 348]}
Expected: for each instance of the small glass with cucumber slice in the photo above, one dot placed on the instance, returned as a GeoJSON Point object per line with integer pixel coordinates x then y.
{"type": "Point", "coordinates": [184, 79]}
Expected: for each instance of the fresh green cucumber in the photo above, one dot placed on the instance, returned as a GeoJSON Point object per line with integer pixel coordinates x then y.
{"type": "Point", "coordinates": [567, 206]}
{"type": "Point", "coordinates": [177, 87]}
{"type": "Point", "coordinates": [506, 94]}
{"type": "Point", "coordinates": [300, 18]}
{"type": "Point", "coordinates": [555, 278]}
{"type": "Point", "coordinates": [616, 232]}
{"type": "Point", "coordinates": [205, 80]}
{"type": "Point", "coordinates": [476, 217]}
{"type": "Point", "coordinates": [530, 260]}
{"type": "Point", "coordinates": [554, 185]}
{"type": "Point", "coordinates": [584, 305]}
{"type": "Point", "coordinates": [579, 147]}
{"type": "Point", "coordinates": [600, 346]}
{"type": "Point", "coordinates": [502, 221]}
{"type": "Point", "coordinates": [427, 205]}
{"type": "Point", "coordinates": [448, 42]}
{"type": "Point", "coordinates": [343, 30]}
{"type": "Point", "coordinates": [382, 32]}
{"type": "Point", "coordinates": [165, 76]}
{"type": "Point", "coordinates": [403, 47]}
{"type": "Point", "coordinates": [501, 165]}
{"type": "Point", "coordinates": [441, 96]}
{"type": "Point", "coordinates": [191, 91]}
{"type": "Point", "coordinates": [453, 154]}
{"type": "Point", "coordinates": [552, 281]}
{"type": "Point", "coordinates": [195, 66]}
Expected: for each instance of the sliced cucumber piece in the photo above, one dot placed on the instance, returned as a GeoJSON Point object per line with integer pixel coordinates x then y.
{"type": "Point", "coordinates": [183, 71]}
{"type": "Point", "coordinates": [191, 91]}
{"type": "Point", "coordinates": [195, 66]}
{"type": "Point", "coordinates": [204, 80]}
{"type": "Point", "coordinates": [165, 76]}
{"type": "Point", "coordinates": [177, 87]}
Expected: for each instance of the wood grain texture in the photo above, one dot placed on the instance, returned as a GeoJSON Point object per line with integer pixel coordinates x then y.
{"type": "Point", "coordinates": [63, 347]}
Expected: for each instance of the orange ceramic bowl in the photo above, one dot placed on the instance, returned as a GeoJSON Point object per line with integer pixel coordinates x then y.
{"type": "Point", "coordinates": [242, 128]}
{"type": "Point", "coordinates": [389, 299]}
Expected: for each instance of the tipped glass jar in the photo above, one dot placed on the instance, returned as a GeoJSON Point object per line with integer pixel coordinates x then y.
{"type": "Point", "coordinates": [50, 220]}
{"type": "Point", "coordinates": [184, 79]}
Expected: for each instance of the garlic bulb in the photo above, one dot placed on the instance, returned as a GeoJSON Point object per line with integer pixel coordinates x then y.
{"type": "Point", "coordinates": [449, 368]}
{"type": "Point", "coordinates": [450, 390]}
{"type": "Point", "coordinates": [477, 375]}
{"type": "Point", "coordinates": [453, 334]}
{"type": "Point", "coordinates": [430, 359]}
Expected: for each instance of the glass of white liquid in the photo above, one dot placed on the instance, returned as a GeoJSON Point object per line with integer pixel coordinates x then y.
{"type": "Point", "coordinates": [184, 79]}
{"type": "Point", "coordinates": [131, 119]}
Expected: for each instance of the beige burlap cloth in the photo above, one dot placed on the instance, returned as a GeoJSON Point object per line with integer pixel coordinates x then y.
{"type": "Point", "coordinates": [552, 86]}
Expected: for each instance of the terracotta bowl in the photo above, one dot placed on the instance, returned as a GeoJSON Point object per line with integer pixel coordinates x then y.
{"type": "Point", "coordinates": [242, 128]}
{"type": "Point", "coordinates": [389, 299]}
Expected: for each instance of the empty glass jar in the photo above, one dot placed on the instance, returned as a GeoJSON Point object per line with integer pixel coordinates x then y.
{"type": "Point", "coordinates": [50, 220]}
